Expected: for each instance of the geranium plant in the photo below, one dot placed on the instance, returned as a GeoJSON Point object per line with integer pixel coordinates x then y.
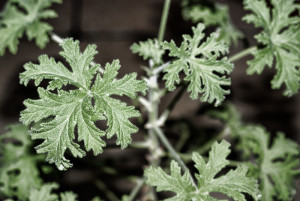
{"type": "Point", "coordinates": [76, 95]}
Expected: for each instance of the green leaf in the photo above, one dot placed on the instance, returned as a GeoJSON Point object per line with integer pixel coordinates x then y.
{"type": "Point", "coordinates": [234, 184]}
{"type": "Point", "coordinates": [59, 114]}
{"type": "Point", "coordinates": [45, 194]}
{"type": "Point", "coordinates": [214, 14]}
{"type": "Point", "coordinates": [150, 49]}
{"type": "Point", "coordinates": [14, 22]}
{"type": "Point", "coordinates": [17, 163]}
{"type": "Point", "coordinates": [281, 40]}
{"type": "Point", "coordinates": [204, 72]}
{"type": "Point", "coordinates": [278, 164]}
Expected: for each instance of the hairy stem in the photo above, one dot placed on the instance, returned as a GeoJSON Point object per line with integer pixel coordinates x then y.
{"type": "Point", "coordinates": [242, 54]}
{"type": "Point", "coordinates": [173, 153]}
{"type": "Point", "coordinates": [163, 21]}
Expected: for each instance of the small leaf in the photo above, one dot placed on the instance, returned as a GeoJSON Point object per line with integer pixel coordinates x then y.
{"type": "Point", "coordinates": [150, 49]}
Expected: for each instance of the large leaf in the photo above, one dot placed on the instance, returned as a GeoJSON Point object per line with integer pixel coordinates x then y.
{"type": "Point", "coordinates": [58, 114]}
{"type": "Point", "coordinates": [280, 38]}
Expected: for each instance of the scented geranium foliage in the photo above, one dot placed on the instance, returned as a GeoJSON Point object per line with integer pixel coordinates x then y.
{"type": "Point", "coordinates": [280, 38]}
{"type": "Point", "coordinates": [58, 112]}
{"type": "Point", "coordinates": [234, 184]}
{"type": "Point", "coordinates": [25, 16]}
{"type": "Point", "coordinates": [18, 171]}
{"type": "Point", "coordinates": [278, 163]}
{"type": "Point", "coordinates": [204, 71]}
{"type": "Point", "coordinates": [275, 164]}
{"type": "Point", "coordinates": [212, 14]}
{"type": "Point", "coordinates": [150, 49]}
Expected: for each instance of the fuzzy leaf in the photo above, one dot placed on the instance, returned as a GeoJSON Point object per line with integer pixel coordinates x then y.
{"type": "Point", "coordinates": [234, 184]}
{"type": "Point", "coordinates": [150, 49]}
{"type": "Point", "coordinates": [281, 40]}
{"type": "Point", "coordinates": [278, 164]}
{"type": "Point", "coordinates": [17, 164]}
{"type": "Point", "coordinates": [204, 72]}
{"type": "Point", "coordinates": [58, 114]}
{"type": "Point", "coordinates": [213, 15]}
{"type": "Point", "coordinates": [14, 23]}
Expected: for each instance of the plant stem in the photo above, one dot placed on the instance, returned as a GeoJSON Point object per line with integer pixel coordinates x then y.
{"type": "Point", "coordinates": [56, 38]}
{"type": "Point", "coordinates": [173, 153]}
{"type": "Point", "coordinates": [163, 117]}
{"type": "Point", "coordinates": [163, 21]}
{"type": "Point", "coordinates": [242, 54]}
{"type": "Point", "coordinates": [207, 146]}
{"type": "Point", "coordinates": [109, 194]}
{"type": "Point", "coordinates": [134, 192]}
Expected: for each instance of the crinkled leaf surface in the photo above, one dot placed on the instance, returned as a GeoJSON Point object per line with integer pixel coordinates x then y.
{"type": "Point", "coordinates": [24, 16]}
{"type": "Point", "coordinates": [150, 49]}
{"type": "Point", "coordinates": [67, 110]}
{"type": "Point", "coordinates": [278, 163]}
{"type": "Point", "coordinates": [213, 15]}
{"type": "Point", "coordinates": [234, 184]}
{"type": "Point", "coordinates": [18, 171]}
{"type": "Point", "coordinates": [203, 70]}
{"type": "Point", "coordinates": [281, 40]}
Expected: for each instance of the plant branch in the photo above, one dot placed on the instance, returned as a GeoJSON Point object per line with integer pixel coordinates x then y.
{"type": "Point", "coordinates": [242, 54]}
{"type": "Point", "coordinates": [109, 194]}
{"type": "Point", "coordinates": [173, 152]}
{"type": "Point", "coordinates": [163, 117]}
{"type": "Point", "coordinates": [163, 21]}
{"type": "Point", "coordinates": [56, 38]}
{"type": "Point", "coordinates": [137, 188]}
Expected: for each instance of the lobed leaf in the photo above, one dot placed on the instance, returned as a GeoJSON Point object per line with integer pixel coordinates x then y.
{"type": "Point", "coordinates": [234, 184]}
{"type": "Point", "coordinates": [199, 61]}
{"type": "Point", "coordinates": [150, 49]}
{"type": "Point", "coordinates": [14, 22]}
{"type": "Point", "coordinates": [214, 14]}
{"type": "Point", "coordinates": [281, 40]}
{"type": "Point", "coordinates": [17, 163]}
{"type": "Point", "coordinates": [60, 114]}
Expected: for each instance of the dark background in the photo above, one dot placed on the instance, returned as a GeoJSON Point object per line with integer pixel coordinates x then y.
{"type": "Point", "coordinates": [114, 25]}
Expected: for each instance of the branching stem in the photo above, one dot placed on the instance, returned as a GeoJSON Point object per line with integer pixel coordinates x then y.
{"type": "Point", "coordinates": [242, 54]}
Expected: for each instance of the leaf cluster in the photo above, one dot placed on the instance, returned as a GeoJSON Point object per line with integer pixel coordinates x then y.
{"type": "Point", "coordinates": [276, 164]}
